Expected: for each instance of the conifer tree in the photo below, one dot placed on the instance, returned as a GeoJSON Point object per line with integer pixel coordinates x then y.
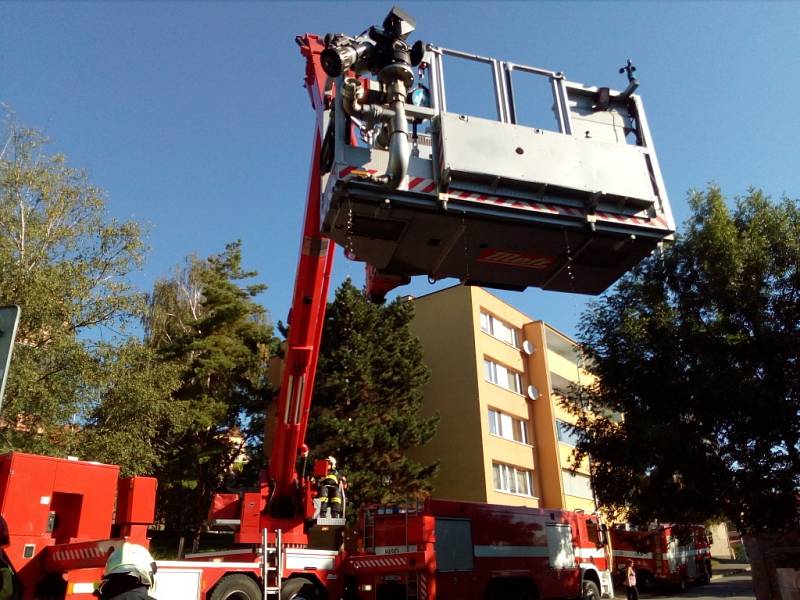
{"type": "Point", "coordinates": [368, 395]}
{"type": "Point", "coordinates": [206, 322]}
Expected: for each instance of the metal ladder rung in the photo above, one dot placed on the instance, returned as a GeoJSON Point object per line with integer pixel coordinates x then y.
{"type": "Point", "coordinates": [271, 573]}
{"type": "Point", "coordinates": [412, 586]}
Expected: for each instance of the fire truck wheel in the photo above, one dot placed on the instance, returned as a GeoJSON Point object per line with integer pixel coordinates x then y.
{"type": "Point", "coordinates": [298, 588]}
{"type": "Point", "coordinates": [236, 587]}
{"type": "Point", "coordinates": [590, 591]}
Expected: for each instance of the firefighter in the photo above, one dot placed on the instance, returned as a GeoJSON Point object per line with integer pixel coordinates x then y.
{"type": "Point", "coordinates": [129, 574]}
{"type": "Point", "coordinates": [330, 491]}
{"type": "Point", "coordinates": [9, 590]}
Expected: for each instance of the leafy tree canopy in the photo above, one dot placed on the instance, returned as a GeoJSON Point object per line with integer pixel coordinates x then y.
{"type": "Point", "coordinates": [208, 325]}
{"type": "Point", "coordinates": [66, 263]}
{"type": "Point", "coordinates": [368, 396]}
{"type": "Point", "coordinates": [698, 348]}
{"type": "Point", "coordinates": [135, 418]}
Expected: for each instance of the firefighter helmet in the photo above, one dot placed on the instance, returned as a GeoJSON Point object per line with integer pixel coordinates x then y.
{"type": "Point", "coordinates": [331, 460]}
{"type": "Point", "coordinates": [134, 560]}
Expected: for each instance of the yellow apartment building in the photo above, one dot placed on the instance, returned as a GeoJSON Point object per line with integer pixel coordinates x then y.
{"type": "Point", "coordinates": [497, 377]}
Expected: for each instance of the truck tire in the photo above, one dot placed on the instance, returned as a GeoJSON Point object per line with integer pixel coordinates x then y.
{"type": "Point", "coordinates": [236, 587]}
{"type": "Point", "coordinates": [299, 588]}
{"type": "Point", "coordinates": [589, 591]}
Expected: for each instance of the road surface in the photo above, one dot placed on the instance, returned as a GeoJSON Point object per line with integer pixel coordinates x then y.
{"type": "Point", "coordinates": [731, 587]}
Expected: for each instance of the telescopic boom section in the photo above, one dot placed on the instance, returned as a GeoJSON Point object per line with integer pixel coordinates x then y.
{"type": "Point", "coordinates": [305, 320]}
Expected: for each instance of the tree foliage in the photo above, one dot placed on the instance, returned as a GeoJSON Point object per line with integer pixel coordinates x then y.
{"type": "Point", "coordinates": [698, 348]}
{"type": "Point", "coordinates": [209, 327]}
{"type": "Point", "coordinates": [135, 418]}
{"type": "Point", "coordinates": [368, 396]}
{"type": "Point", "coordinates": [66, 263]}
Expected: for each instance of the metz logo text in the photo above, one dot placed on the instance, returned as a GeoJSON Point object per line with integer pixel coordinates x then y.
{"type": "Point", "coordinates": [516, 259]}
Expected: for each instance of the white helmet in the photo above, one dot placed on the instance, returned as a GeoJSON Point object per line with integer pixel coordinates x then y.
{"type": "Point", "coordinates": [134, 560]}
{"type": "Point", "coordinates": [331, 460]}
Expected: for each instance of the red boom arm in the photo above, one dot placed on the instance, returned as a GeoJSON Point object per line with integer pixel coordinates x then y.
{"type": "Point", "coordinates": [306, 317]}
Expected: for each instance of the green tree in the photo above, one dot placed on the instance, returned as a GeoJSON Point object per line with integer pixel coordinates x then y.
{"type": "Point", "coordinates": [208, 325]}
{"type": "Point", "coordinates": [134, 418]}
{"type": "Point", "coordinates": [699, 349]}
{"type": "Point", "coordinates": [368, 396]}
{"type": "Point", "coordinates": [66, 264]}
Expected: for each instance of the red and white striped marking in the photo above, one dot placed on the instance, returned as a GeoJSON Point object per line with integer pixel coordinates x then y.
{"type": "Point", "coordinates": [423, 587]}
{"type": "Point", "coordinates": [379, 562]}
{"type": "Point", "coordinates": [419, 184]}
{"type": "Point", "coordinates": [79, 553]}
{"type": "Point", "coordinates": [428, 186]}
{"type": "Point", "coordinates": [556, 209]}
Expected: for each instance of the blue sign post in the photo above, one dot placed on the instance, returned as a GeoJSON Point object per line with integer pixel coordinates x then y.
{"type": "Point", "coordinates": [9, 319]}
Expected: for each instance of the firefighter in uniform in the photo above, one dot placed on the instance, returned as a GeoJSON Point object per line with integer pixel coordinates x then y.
{"type": "Point", "coordinates": [129, 574]}
{"type": "Point", "coordinates": [330, 491]}
{"type": "Point", "coordinates": [9, 590]}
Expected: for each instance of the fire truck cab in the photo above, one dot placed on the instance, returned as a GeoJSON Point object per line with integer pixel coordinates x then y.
{"type": "Point", "coordinates": [673, 554]}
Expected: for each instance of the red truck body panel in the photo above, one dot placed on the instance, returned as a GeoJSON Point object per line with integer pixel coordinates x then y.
{"type": "Point", "coordinates": [452, 549]}
{"type": "Point", "coordinates": [671, 554]}
{"type": "Point", "coordinates": [61, 515]}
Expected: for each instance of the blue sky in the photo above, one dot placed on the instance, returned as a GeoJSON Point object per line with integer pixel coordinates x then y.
{"type": "Point", "coordinates": [192, 116]}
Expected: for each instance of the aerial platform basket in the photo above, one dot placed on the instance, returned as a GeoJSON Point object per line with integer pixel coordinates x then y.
{"type": "Point", "coordinates": [495, 202]}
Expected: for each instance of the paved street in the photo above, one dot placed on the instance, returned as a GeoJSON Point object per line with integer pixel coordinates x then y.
{"type": "Point", "coordinates": [737, 586]}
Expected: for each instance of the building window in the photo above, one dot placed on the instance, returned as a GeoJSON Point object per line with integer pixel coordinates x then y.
{"type": "Point", "coordinates": [508, 427]}
{"type": "Point", "coordinates": [502, 376]}
{"type": "Point", "coordinates": [499, 329]}
{"type": "Point", "coordinates": [512, 479]}
{"type": "Point", "coordinates": [577, 484]}
{"type": "Point", "coordinates": [567, 434]}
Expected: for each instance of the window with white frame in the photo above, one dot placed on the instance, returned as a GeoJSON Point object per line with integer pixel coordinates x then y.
{"type": "Point", "coordinates": [508, 427]}
{"type": "Point", "coordinates": [499, 329]}
{"type": "Point", "coordinates": [567, 433]}
{"type": "Point", "coordinates": [512, 479]}
{"type": "Point", "coordinates": [502, 376]}
{"type": "Point", "coordinates": [577, 484]}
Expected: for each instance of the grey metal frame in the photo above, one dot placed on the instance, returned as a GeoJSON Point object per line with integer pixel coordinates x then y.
{"type": "Point", "coordinates": [501, 83]}
{"type": "Point", "coordinates": [502, 72]}
{"type": "Point", "coordinates": [565, 95]}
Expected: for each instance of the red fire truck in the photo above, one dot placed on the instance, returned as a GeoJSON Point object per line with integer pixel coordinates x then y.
{"type": "Point", "coordinates": [410, 188]}
{"type": "Point", "coordinates": [64, 517]}
{"type": "Point", "coordinates": [667, 554]}
{"type": "Point", "coordinates": [449, 549]}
